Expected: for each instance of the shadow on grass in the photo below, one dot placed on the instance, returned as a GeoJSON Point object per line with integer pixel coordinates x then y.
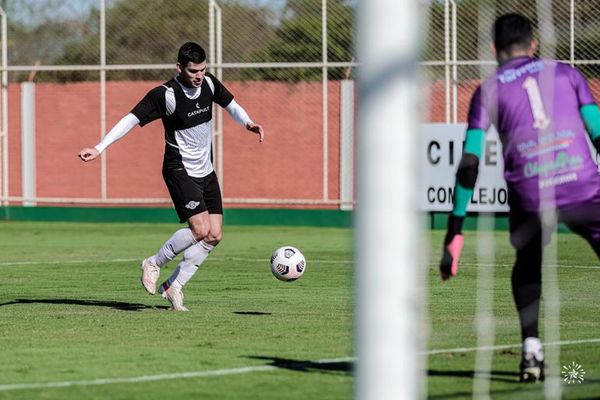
{"type": "Point", "coordinates": [117, 305]}
{"type": "Point", "coordinates": [309, 366]}
{"type": "Point", "coordinates": [498, 376]}
{"type": "Point", "coordinates": [252, 313]}
{"type": "Point", "coordinates": [467, 395]}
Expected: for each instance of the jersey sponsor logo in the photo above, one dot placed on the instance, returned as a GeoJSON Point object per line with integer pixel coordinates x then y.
{"type": "Point", "coordinates": [192, 205]}
{"type": "Point", "coordinates": [562, 162]}
{"type": "Point", "coordinates": [511, 75]}
{"type": "Point", "coordinates": [198, 110]}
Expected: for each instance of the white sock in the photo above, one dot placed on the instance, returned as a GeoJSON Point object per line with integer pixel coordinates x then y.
{"type": "Point", "coordinates": [193, 257]}
{"type": "Point", "coordinates": [533, 345]}
{"type": "Point", "coordinates": [181, 240]}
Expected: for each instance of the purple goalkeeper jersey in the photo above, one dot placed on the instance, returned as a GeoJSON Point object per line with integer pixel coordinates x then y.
{"type": "Point", "coordinates": [534, 105]}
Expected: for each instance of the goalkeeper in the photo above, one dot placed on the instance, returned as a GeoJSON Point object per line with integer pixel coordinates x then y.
{"type": "Point", "coordinates": [542, 110]}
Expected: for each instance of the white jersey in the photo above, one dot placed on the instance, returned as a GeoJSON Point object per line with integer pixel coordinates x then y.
{"type": "Point", "coordinates": [187, 117]}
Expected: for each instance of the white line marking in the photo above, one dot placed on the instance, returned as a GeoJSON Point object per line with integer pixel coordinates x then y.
{"type": "Point", "coordinates": [136, 379]}
{"type": "Point", "coordinates": [436, 264]}
{"type": "Point", "coordinates": [160, 377]}
{"type": "Point", "coordinates": [245, 370]}
{"type": "Point", "coordinates": [138, 260]}
{"type": "Point", "coordinates": [508, 346]}
{"type": "Point", "coordinates": [10, 263]}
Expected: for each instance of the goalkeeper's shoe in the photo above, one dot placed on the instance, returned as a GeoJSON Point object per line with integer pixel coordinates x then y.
{"type": "Point", "coordinates": [150, 274]}
{"type": "Point", "coordinates": [531, 368]}
{"type": "Point", "coordinates": [174, 295]}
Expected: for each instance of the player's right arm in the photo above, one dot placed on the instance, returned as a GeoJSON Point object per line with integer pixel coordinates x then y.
{"type": "Point", "coordinates": [150, 108]}
{"type": "Point", "coordinates": [117, 132]}
{"type": "Point", "coordinates": [466, 177]}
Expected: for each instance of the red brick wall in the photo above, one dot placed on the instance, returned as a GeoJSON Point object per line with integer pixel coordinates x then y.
{"type": "Point", "coordinates": [287, 165]}
{"type": "Point", "coordinates": [436, 107]}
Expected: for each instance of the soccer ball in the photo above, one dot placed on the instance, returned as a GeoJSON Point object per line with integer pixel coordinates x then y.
{"type": "Point", "coordinates": [287, 263]}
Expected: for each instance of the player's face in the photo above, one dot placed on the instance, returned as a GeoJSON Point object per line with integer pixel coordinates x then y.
{"type": "Point", "coordinates": [192, 74]}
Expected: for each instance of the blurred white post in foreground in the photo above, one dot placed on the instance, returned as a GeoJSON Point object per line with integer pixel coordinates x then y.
{"type": "Point", "coordinates": [389, 293]}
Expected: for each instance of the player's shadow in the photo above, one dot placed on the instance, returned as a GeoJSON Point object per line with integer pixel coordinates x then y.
{"type": "Point", "coordinates": [252, 313]}
{"type": "Point", "coordinates": [345, 367]}
{"type": "Point", "coordinates": [499, 376]}
{"type": "Point", "coordinates": [117, 305]}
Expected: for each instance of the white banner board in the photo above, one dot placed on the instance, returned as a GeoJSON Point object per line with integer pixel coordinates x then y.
{"type": "Point", "coordinates": [441, 149]}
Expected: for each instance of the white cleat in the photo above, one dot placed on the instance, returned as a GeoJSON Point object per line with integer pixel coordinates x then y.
{"type": "Point", "coordinates": [175, 297]}
{"type": "Point", "coordinates": [150, 274]}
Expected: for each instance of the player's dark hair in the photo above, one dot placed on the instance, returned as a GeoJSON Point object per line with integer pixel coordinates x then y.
{"type": "Point", "coordinates": [510, 31]}
{"type": "Point", "coordinates": [191, 51]}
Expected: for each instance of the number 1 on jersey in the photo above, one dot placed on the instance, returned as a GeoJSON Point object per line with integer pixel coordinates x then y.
{"type": "Point", "coordinates": [540, 119]}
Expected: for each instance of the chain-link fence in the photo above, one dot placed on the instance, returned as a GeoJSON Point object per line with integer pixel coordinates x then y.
{"type": "Point", "coordinates": [290, 63]}
{"type": "Point", "coordinates": [87, 63]}
{"type": "Point", "coordinates": [458, 52]}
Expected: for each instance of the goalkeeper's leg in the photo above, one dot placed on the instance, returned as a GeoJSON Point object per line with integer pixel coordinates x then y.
{"type": "Point", "coordinates": [584, 220]}
{"type": "Point", "coordinates": [526, 237]}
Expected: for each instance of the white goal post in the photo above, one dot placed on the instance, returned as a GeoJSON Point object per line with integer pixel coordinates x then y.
{"type": "Point", "coordinates": [389, 292]}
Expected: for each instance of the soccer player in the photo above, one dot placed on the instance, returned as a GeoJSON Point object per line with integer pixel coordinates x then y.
{"type": "Point", "coordinates": [184, 104]}
{"type": "Point", "coordinates": [542, 110]}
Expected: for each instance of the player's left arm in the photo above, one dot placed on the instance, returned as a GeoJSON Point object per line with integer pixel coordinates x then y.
{"type": "Point", "coordinates": [224, 98]}
{"type": "Point", "coordinates": [240, 116]}
{"type": "Point", "coordinates": [591, 117]}
{"type": "Point", "coordinates": [588, 109]}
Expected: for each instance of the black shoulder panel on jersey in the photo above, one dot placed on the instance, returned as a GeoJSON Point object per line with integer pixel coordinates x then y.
{"type": "Point", "coordinates": [468, 170]}
{"type": "Point", "coordinates": [221, 95]}
{"type": "Point", "coordinates": [152, 106]}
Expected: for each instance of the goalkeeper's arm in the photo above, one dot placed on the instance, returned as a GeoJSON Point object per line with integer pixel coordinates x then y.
{"type": "Point", "coordinates": [466, 177]}
{"type": "Point", "coordinates": [591, 117]}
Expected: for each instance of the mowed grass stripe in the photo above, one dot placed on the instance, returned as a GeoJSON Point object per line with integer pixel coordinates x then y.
{"type": "Point", "coordinates": [257, 368]}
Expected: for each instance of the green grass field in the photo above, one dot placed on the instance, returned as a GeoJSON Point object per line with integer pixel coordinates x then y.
{"type": "Point", "coordinates": [76, 324]}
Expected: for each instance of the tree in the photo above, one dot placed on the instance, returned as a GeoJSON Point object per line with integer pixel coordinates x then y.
{"type": "Point", "coordinates": [298, 38]}
{"type": "Point", "coordinates": [137, 33]}
{"type": "Point", "coordinates": [470, 40]}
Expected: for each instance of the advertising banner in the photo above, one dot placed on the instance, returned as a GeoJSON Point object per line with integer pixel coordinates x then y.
{"type": "Point", "coordinates": [441, 149]}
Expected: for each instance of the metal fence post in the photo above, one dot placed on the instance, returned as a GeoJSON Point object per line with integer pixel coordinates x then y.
{"type": "Point", "coordinates": [28, 164]}
{"type": "Point", "coordinates": [4, 131]}
{"type": "Point", "coordinates": [346, 144]}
